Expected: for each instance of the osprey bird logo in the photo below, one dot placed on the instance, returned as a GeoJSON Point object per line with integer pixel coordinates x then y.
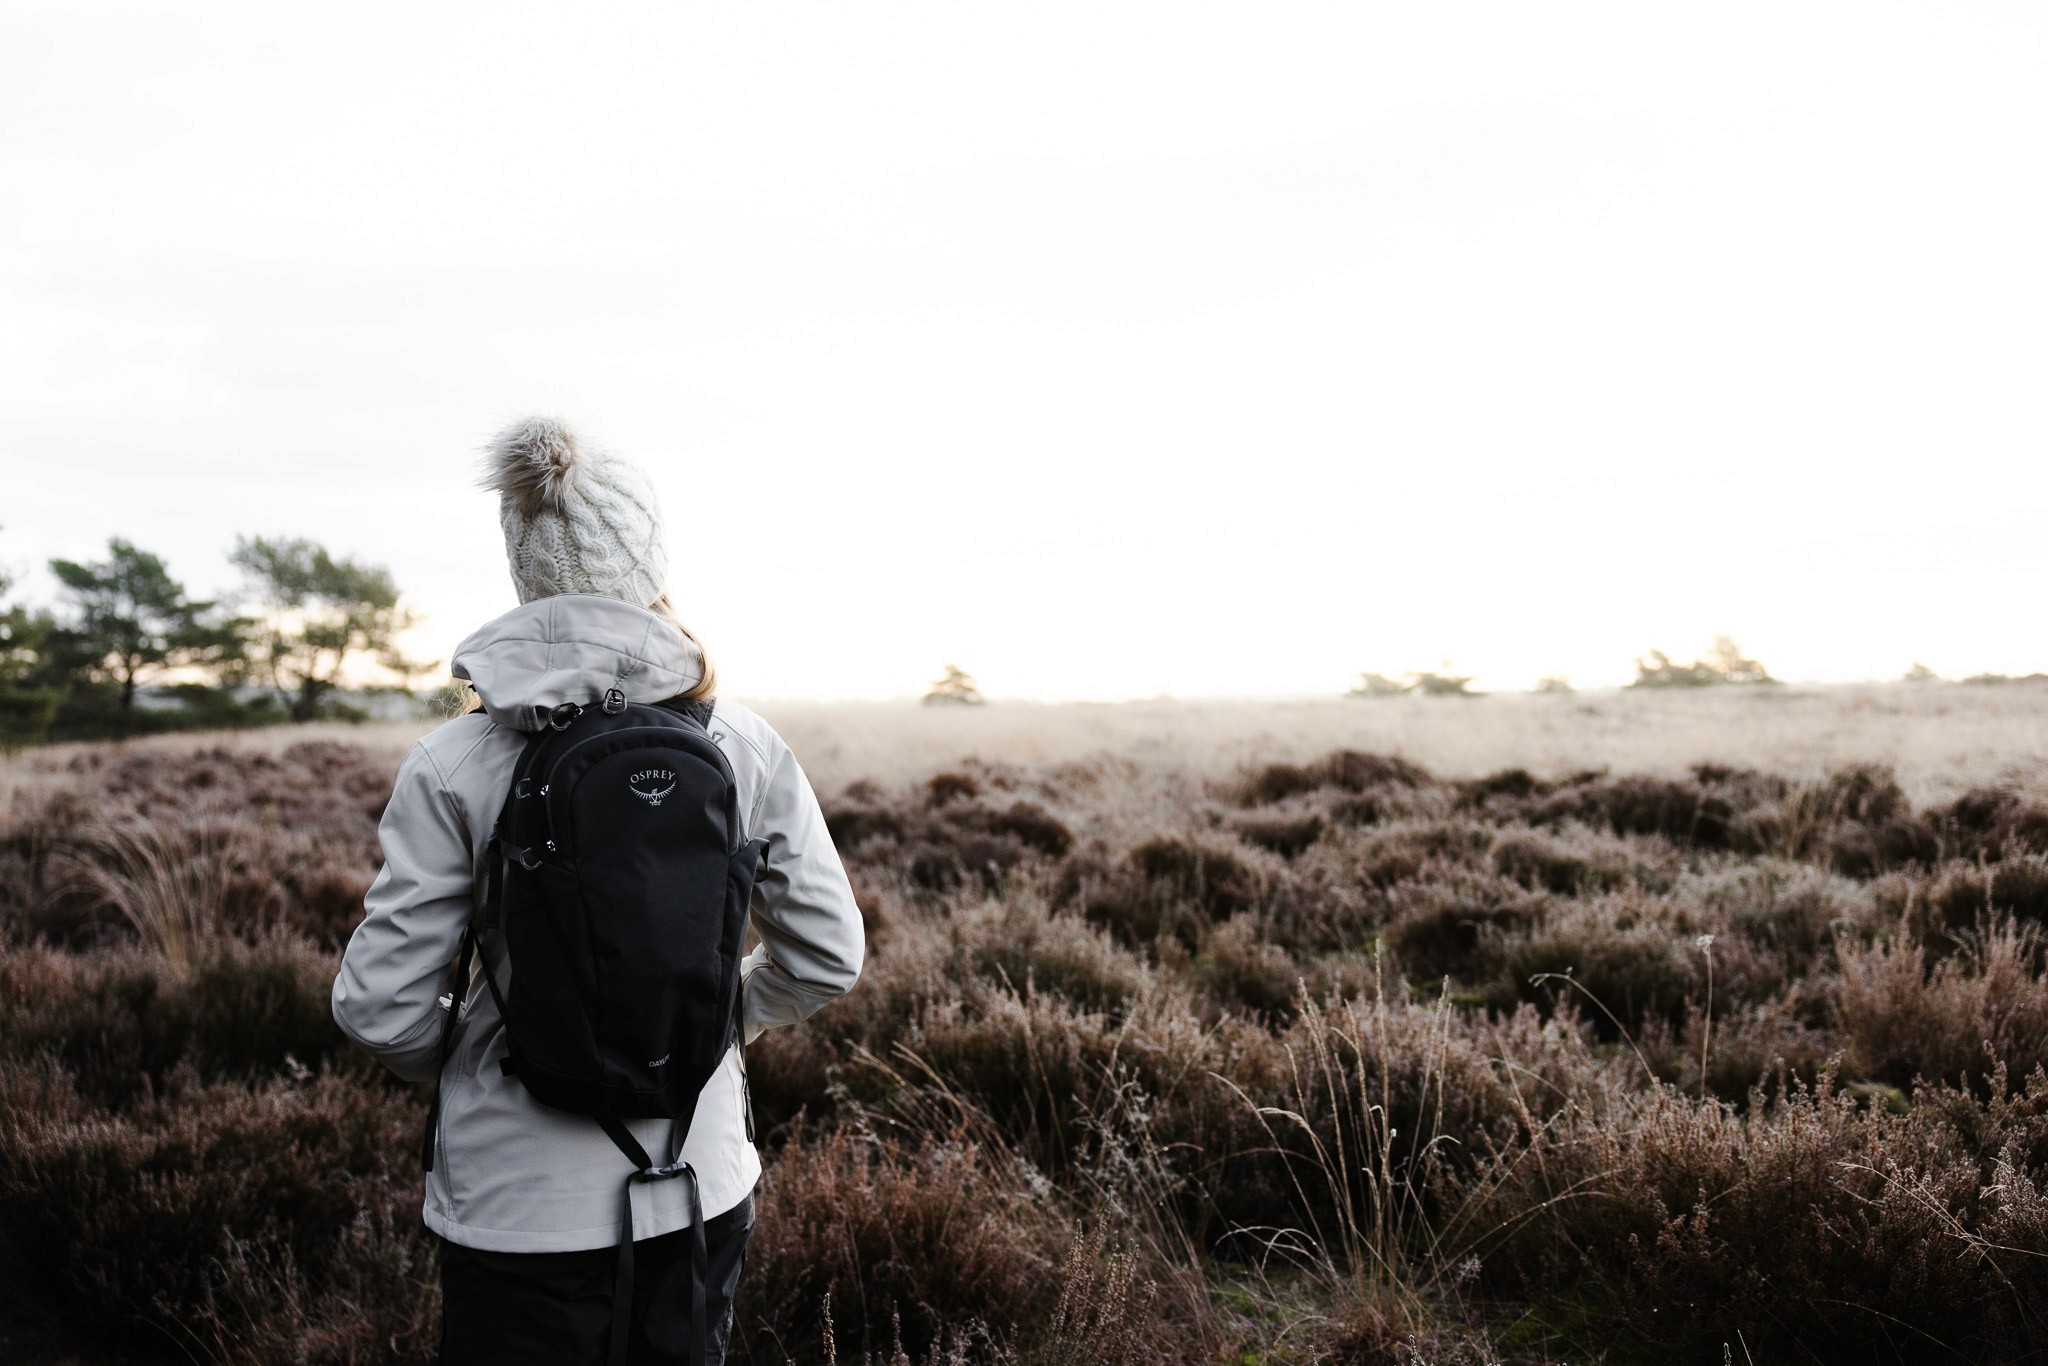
{"type": "Point", "coordinates": [651, 785]}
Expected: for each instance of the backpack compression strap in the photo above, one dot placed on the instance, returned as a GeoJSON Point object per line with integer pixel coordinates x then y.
{"type": "Point", "coordinates": [622, 1286]}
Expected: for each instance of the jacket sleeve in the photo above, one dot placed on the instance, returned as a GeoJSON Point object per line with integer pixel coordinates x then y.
{"type": "Point", "coordinates": [812, 942]}
{"type": "Point", "coordinates": [391, 973]}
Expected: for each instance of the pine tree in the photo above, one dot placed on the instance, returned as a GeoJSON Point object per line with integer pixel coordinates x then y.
{"type": "Point", "coordinates": [957, 688]}
{"type": "Point", "coordinates": [26, 706]}
{"type": "Point", "coordinates": [318, 612]}
{"type": "Point", "coordinates": [1725, 663]}
{"type": "Point", "coordinates": [132, 622]}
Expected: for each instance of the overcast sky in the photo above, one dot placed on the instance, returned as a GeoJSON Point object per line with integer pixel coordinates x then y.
{"type": "Point", "coordinates": [1107, 349]}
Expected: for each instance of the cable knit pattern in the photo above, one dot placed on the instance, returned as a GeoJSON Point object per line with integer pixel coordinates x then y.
{"type": "Point", "coordinates": [575, 521]}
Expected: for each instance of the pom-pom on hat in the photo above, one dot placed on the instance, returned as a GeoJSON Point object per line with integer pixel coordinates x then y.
{"type": "Point", "coordinates": [576, 520]}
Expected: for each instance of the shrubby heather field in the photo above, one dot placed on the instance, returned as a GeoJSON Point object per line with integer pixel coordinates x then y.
{"type": "Point", "coordinates": [1522, 1030]}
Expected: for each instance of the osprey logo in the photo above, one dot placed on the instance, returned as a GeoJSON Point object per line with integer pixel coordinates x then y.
{"type": "Point", "coordinates": [650, 785]}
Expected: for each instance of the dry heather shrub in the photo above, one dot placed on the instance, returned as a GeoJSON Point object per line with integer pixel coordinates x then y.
{"type": "Point", "coordinates": [1684, 812]}
{"type": "Point", "coordinates": [1502, 796]}
{"type": "Point", "coordinates": [1133, 1291]}
{"type": "Point", "coordinates": [1239, 969]}
{"type": "Point", "coordinates": [2019, 886]}
{"type": "Point", "coordinates": [119, 1217]}
{"type": "Point", "coordinates": [1856, 821]}
{"type": "Point", "coordinates": [1453, 925]}
{"type": "Point", "coordinates": [789, 1074]}
{"type": "Point", "coordinates": [121, 1021]}
{"type": "Point", "coordinates": [946, 839]}
{"type": "Point", "coordinates": [1570, 862]}
{"type": "Point", "coordinates": [1021, 942]}
{"type": "Point", "coordinates": [1793, 909]}
{"type": "Point", "coordinates": [1286, 836]}
{"type": "Point", "coordinates": [1208, 872]}
{"type": "Point", "coordinates": [1817, 1229]}
{"type": "Point", "coordinates": [1313, 918]}
{"type": "Point", "coordinates": [861, 813]}
{"type": "Point", "coordinates": [34, 829]}
{"type": "Point", "coordinates": [1317, 1129]}
{"type": "Point", "coordinates": [982, 955]}
{"type": "Point", "coordinates": [875, 898]}
{"type": "Point", "coordinates": [1957, 1018]}
{"type": "Point", "coordinates": [1128, 1021]}
{"type": "Point", "coordinates": [323, 896]}
{"type": "Point", "coordinates": [1640, 955]}
{"type": "Point", "coordinates": [1870, 850]}
{"type": "Point", "coordinates": [1961, 894]}
{"type": "Point", "coordinates": [1025, 1061]}
{"type": "Point", "coordinates": [1632, 957]}
{"type": "Point", "coordinates": [941, 788]}
{"type": "Point", "coordinates": [1382, 1326]}
{"type": "Point", "coordinates": [1339, 893]}
{"type": "Point", "coordinates": [1950, 904]}
{"type": "Point", "coordinates": [1742, 1047]}
{"type": "Point", "coordinates": [912, 961]}
{"type": "Point", "coordinates": [1344, 770]}
{"type": "Point", "coordinates": [792, 1071]}
{"type": "Point", "coordinates": [1030, 824]}
{"type": "Point", "coordinates": [1171, 886]}
{"type": "Point", "coordinates": [1987, 823]}
{"type": "Point", "coordinates": [942, 1237]}
{"type": "Point", "coordinates": [176, 847]}
{"type": "Point", "coordinates": [1043, 1074]}
{"type": "Point", "coordinates": [315, 783]}
{"type": "Point", "coordinates": [1398, 851]}
{"type": "Point", "coordinates": [375, 1302]}
{"type": "Point", "coordinates": [1042, 1071]}
{"type": "Point", "coordinates": [1108, 1315]}
{"type": "Point", "coordinates": [1868, 794]}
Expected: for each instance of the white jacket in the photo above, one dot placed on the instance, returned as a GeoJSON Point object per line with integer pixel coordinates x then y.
{"type": "Point", "coordinates": [510, 1174]}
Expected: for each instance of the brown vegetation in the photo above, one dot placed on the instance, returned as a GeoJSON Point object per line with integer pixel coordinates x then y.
{"type": "Point", "coordinates": [1323, 1059]}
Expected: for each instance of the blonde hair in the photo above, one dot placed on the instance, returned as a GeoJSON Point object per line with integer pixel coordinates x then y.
{"type": "Point", "coordinates": [704, 687]}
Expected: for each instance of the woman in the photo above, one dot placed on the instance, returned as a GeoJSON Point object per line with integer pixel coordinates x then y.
{"type": "Point", "coordinates": [526, 1199]}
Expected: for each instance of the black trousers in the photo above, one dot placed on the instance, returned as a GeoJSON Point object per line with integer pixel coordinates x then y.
{"type": "Point", "coordinates": [555, 1308]}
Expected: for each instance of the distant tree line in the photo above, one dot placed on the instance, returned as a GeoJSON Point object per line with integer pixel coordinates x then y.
{"type": "Point", "coordinates": [1723, 665]}
{"type": "Point", "coordinates": [1427, 682]}
{"type": "Point", "coordinates": [127, 650]}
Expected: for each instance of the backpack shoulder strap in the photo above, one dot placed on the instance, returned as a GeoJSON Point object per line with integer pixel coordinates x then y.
{"type": "Point", "coordinates": [456, 993]}
{"type": "Point", "coordinates": [698, 709]}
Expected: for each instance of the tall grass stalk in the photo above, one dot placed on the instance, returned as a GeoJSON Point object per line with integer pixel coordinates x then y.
{"type": "Point", "coordinates": [1705, 944]}
{"type": "Point", "coordinates": [166, 881]}
{"type": "Point", "coordinates": [1385, 1247]}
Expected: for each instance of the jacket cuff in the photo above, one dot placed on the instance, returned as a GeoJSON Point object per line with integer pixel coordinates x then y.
{"type": "Point", "coordinates": [753, 1013]}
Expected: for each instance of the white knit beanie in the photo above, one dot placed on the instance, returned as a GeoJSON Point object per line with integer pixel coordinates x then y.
{"type": "Point", "coordinates": [576, 521]}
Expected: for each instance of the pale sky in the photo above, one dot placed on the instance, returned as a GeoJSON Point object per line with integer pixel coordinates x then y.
{"type": "Point", "coordinates": [1108, 349]}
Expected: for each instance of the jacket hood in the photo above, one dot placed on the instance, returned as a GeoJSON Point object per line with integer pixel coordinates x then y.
{"type": "Point", "coordinates": [573, 647]}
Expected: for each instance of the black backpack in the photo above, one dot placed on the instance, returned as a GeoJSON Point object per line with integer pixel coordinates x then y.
{"type": "Point", "coordinates": [620, 877]}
